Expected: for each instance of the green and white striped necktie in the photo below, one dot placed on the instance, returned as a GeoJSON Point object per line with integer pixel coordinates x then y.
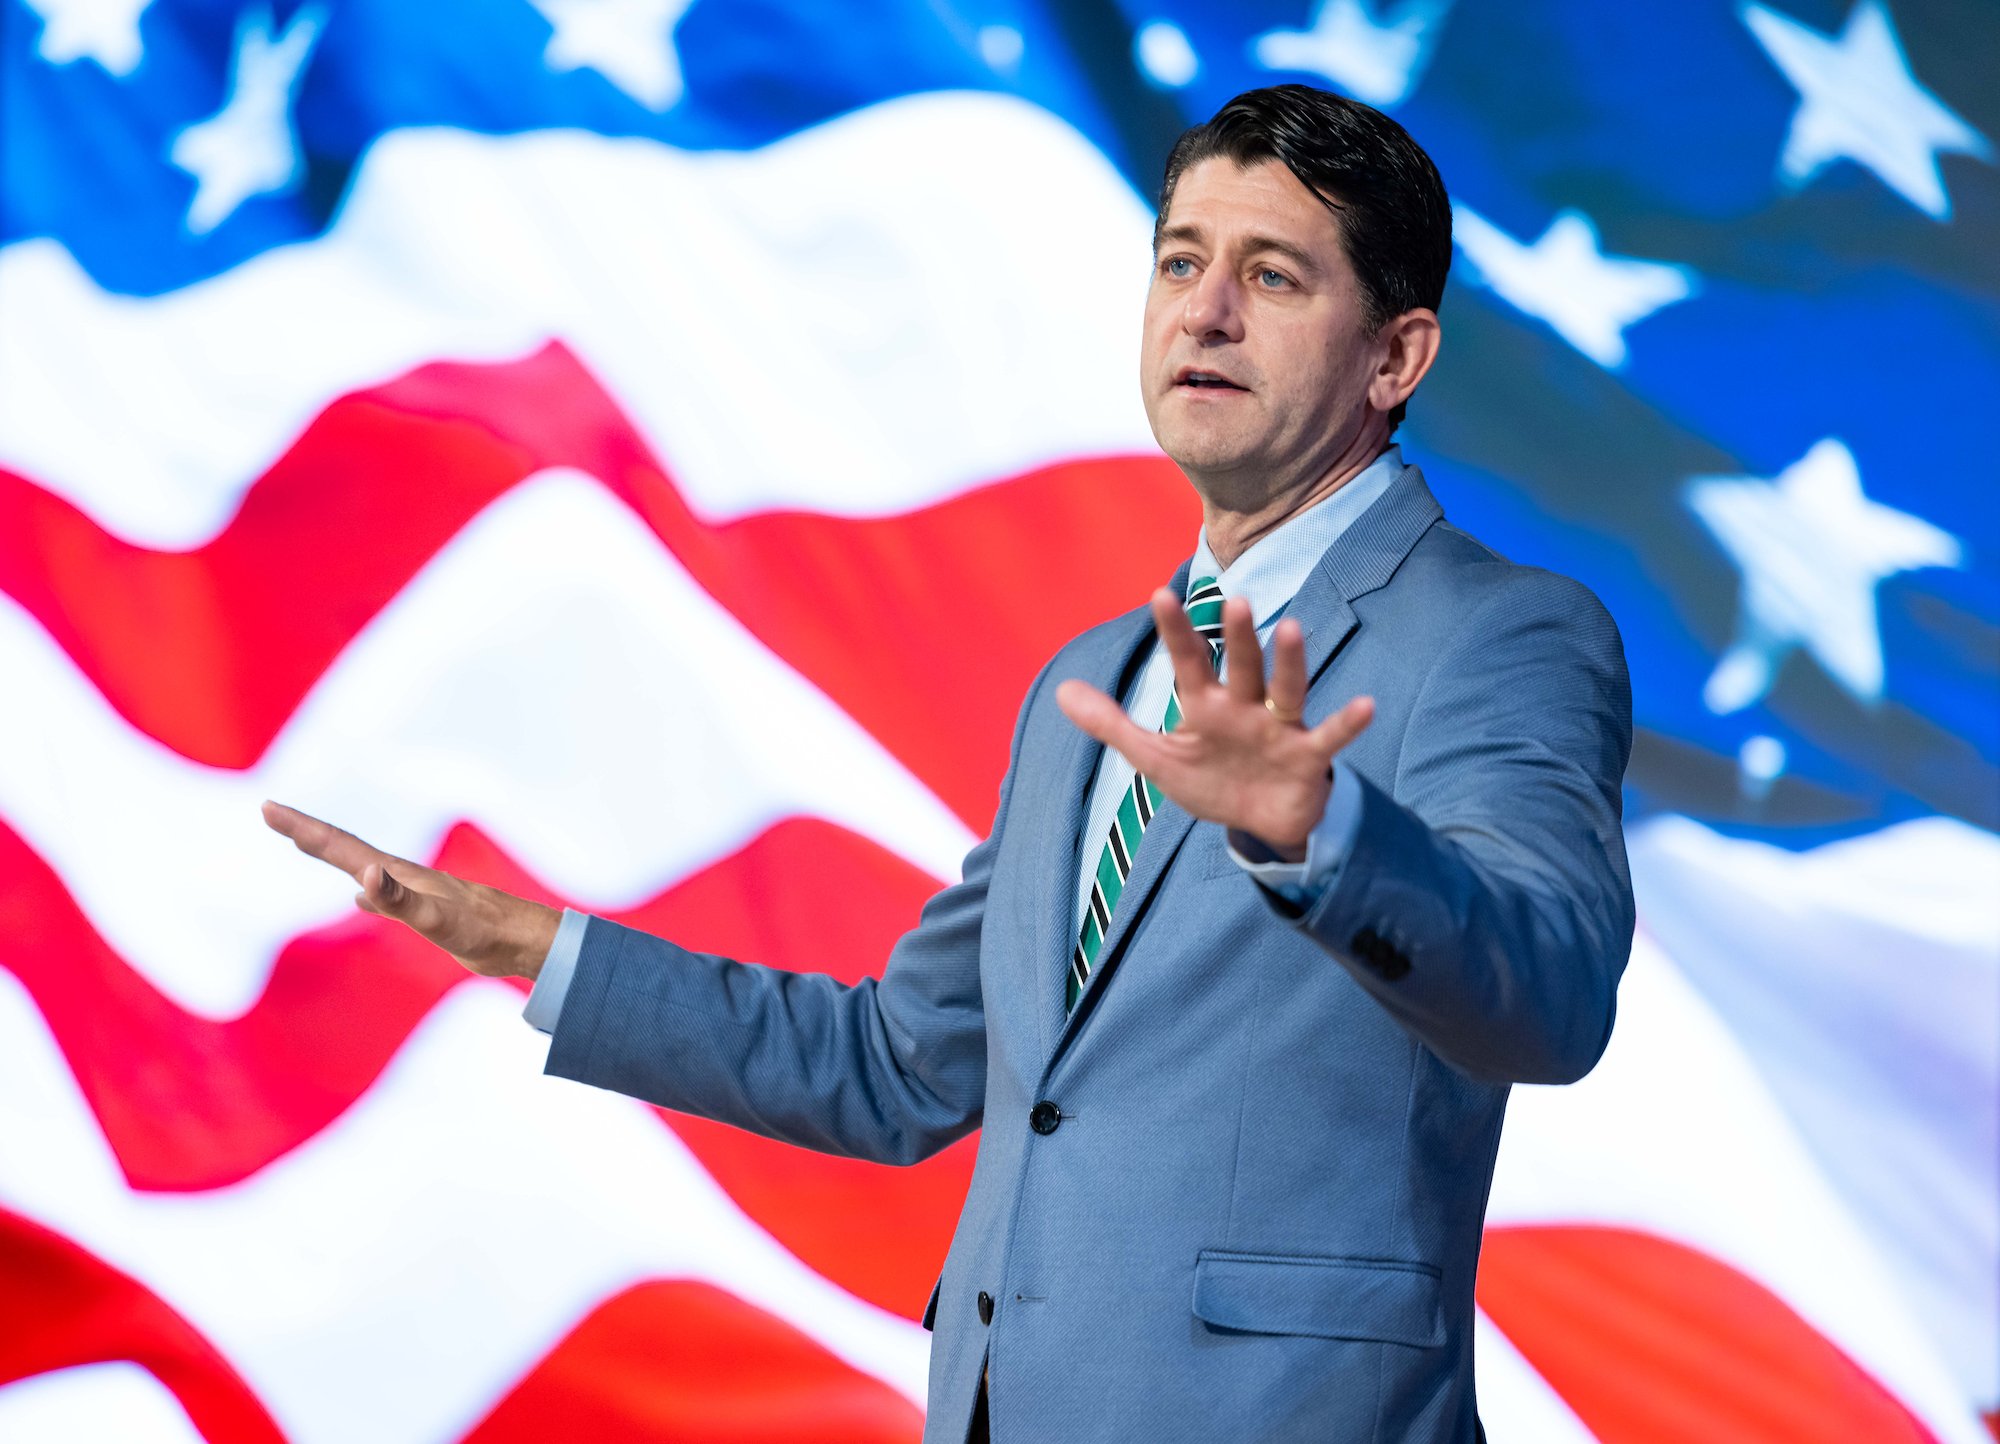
{"type": "Point", "coordinates": [1136, 808]}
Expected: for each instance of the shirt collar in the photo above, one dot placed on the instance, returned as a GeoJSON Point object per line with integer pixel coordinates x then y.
{"type": "Point", "coordinates": [1277, 564]}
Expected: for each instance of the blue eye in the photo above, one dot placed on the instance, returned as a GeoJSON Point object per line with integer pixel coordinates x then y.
{"type": "Point", "coordinates": [1272, 279]}
{"type": "Point", "coordinates": [1179, 261]}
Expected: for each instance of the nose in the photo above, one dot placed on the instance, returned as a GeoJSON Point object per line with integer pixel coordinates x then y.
{"type": "Point", "coordinates": [1214, 310]}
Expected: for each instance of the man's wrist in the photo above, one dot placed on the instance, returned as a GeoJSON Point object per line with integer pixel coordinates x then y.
{"type": "Point", "coordinates": [555, 972]}
{"type": "Point", "coordinates": [538, 925]}
{"type": "Point", "coordinates": [1286, 848]}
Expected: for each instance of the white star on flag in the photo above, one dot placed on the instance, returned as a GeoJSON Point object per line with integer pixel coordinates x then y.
{"type": "Point", "coordinates": [106, 31]}
{"type": "Point", "coordinates": [1376, 59]}
{"type": "Point", "coordinates": [249, 147]}
{"type": "Point", "coordinates": [1165, 54]}
{"type": "Point", "coordinates": [1811, 549]}
{"type": "Point", "coordinates": [1858, 101]}
{"type": "Point", "coordinates": [1589, 298]}
{"type": "Point", "coordinates": [628, 42]}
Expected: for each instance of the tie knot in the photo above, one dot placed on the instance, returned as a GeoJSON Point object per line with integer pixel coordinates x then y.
{"type": "Point", "coordinates": [1204, 609]}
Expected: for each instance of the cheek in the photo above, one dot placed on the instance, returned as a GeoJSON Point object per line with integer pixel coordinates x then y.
{"type": "Point", "coordinates": [1335, 376]}
{"type": "Point", "coordinates": [1310, 375]}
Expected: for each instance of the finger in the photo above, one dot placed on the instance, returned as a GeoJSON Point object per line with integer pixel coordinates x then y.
{"type": "Point", "coordinates": [324, 841]}
{"type": "Point", "coordinates": [1343, 726]}
{"type": "Point", "coordinates": [1288, 669]}
{"type": "Point", "coordinates": [1098, 716]}
{"type": "Point", "coordinates": [1246, 658]}
{"type": "Point", "coordinates": [1194, 667]}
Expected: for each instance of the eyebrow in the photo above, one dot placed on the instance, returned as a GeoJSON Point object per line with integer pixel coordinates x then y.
{"type": "Point", "coordinates": [1253, 244]}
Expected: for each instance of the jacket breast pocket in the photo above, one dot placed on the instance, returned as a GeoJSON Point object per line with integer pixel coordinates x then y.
{"type": "Point", "coordinates": [1329, 1298]}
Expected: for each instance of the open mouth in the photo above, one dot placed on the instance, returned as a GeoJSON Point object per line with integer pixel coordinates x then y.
{"type": "Point", "coordinates": [1206, 381]}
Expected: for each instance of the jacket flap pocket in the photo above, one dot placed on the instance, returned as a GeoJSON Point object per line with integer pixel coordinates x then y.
{"type": "Point", "coordinates": [1327, 1298]}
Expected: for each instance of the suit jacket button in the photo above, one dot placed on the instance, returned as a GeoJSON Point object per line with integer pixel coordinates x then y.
{"type": "Point", "coordinates": [1380, 954]}
{"type": "Point", "coordinates": [985, 1307]}
{"type": "Point", "coordinates": [1045, 1117]}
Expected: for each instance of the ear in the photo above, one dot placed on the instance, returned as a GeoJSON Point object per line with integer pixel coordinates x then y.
{"type": "Point", "coordinates": [1408, 344]}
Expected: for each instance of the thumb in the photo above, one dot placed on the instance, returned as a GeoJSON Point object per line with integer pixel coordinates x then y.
{"type": "Point", "coordinates": [1344, 726]}
{"type": "Point", "coordinates": [380, 892]}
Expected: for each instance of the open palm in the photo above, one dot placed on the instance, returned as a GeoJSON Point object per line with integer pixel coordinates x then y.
{"type": "Point", "coordinates": [493, 933]}
{"type": "Point", "coordinates": [1239, 756]}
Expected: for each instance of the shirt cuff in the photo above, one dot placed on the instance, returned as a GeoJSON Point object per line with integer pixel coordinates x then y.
{"type": "Point", "coordinates": [545, 999]}
{"type": "Point", "coordinates": [1327, 846]}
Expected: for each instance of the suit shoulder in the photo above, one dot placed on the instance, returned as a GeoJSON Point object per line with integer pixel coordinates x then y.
{"type": "Point", "coordinates": [1538, 633]}
{"type": "Point", "coordinates": [1488, 590]}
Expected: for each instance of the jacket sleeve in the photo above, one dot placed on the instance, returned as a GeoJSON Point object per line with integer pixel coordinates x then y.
{"type": "Point", "coordinates": [1486, 901]}
{"type": "Point", "coordinates": [890, 1070]}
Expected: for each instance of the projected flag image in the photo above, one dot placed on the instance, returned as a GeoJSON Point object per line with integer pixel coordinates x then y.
{"type": "Point", "coordinates": [638, 454]}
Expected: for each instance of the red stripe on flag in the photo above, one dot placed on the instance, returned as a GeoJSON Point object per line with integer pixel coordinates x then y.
{"type": "Point", "coordinates": [1653, 1342]}
{"type": "Point", "coordinates": [187, 1103]}
{"type": "Point", "coordinates": [64, 1307]}
{"type": "Point", "coordinates": [209, 651]}
{"type": "Point", "coordinates": [680, 1360]}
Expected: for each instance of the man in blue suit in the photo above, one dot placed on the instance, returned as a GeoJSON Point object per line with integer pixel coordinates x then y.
{"type": "Point", "coordinates": [1239, 980]}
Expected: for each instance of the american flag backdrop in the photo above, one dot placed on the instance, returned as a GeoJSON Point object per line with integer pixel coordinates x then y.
{"type": "Point", "coordinates": [572, 441]}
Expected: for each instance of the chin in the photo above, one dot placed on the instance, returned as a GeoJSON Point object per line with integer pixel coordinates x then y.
{"type": "Point", "coordinates": [1205, 452]}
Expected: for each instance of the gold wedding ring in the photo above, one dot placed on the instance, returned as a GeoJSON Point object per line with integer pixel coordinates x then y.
{"type": "Point", "coordinates": [1291, 718]}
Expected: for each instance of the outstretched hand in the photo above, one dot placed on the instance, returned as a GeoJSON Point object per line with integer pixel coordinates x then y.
{"type": "Point", "coordinates": [1240, 756]}
{"type": "Point", "coordinates": [491, 932]}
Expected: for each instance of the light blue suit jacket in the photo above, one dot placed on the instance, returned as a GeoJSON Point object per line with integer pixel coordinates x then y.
{"type": "Point", "coordinates": [1238, 1193]}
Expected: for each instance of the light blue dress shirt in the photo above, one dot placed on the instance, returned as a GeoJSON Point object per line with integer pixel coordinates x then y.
{"type": "Point", "coordinates": [1268, 575]}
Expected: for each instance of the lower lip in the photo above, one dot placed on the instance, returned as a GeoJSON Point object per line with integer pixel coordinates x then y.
{"type": "Point", "coordinates": [1205, 391]}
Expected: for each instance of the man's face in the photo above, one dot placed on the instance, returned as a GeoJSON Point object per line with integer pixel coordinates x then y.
{"type": "Point", "coordinates": [1256, 361]}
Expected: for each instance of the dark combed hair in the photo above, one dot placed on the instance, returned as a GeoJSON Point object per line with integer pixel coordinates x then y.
{"type": "Point", "coordinates": [1385, 194]}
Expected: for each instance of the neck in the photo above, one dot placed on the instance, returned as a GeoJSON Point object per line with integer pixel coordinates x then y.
{"type": "Point", "coordinates": [1232, 528]}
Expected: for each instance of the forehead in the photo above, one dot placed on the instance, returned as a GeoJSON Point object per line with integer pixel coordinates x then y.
{"type": "Point", "coordinates": [1226, 202]}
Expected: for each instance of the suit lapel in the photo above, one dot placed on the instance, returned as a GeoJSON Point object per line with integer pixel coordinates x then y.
{"type": "Point", "coordinates": [1361, 559]}
{"type": "Point", "coordinates": [1108, 671]}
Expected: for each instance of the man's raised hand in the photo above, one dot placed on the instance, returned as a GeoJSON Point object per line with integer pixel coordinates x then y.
{"type": "Point", "coordinates": [1239, 756]}
{"type": "Point", "coordinates": [494, 933]}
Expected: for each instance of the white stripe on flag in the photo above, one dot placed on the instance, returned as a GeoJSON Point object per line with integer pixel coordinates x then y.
{"type": "Point", "coordinates": [553, 674]}
{"type": "Point", "coordinates": [390, 1279]}
{"type": "Point", "coordinates": [865, 317]}
{"type": "Point", "coordinates": [1863, 980]}
{"type": "Point", "coordinates": [1674, 1133]}
{"type": "Point", "coordinates": [1516, 1402]}
{"type": "Point", "coordinates": [91, 1404]}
